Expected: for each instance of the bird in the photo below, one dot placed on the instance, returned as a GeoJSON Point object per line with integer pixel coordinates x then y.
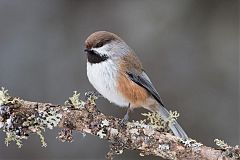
{"type": "Point", "coordinates": [116, 72]}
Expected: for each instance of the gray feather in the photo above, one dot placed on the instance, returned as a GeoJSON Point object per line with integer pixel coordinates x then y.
{"type": "Point", "coordinates": [145, 82]}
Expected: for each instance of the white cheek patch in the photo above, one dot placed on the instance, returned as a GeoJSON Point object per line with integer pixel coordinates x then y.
{"type": "Point", "coordinates": [104, 50]}
{"type": "Point", "coordinates": [113, 49]}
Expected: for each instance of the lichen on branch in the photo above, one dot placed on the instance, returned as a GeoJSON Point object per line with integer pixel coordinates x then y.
{"type": "Point", "coordinates": [19, 119]}
{"type": "Point", "coordinates": [19, 122]}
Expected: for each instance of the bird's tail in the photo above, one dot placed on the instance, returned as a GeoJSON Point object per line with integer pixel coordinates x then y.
{"type": "Point", "coordinates": [174, 126]}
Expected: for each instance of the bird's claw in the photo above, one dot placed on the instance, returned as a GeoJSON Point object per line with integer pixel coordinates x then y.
{"type": "Point", "coordinates": [124, 121]}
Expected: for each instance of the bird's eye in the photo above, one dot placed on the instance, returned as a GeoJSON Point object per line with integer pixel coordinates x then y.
{"type": "Point", "coordinates": [98, 45]}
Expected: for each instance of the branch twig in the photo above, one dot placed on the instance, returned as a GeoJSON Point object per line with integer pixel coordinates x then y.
{"type": "Point", "coordinates": [19, 118]}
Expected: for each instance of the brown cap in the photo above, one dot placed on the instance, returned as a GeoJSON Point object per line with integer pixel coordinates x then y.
{"type": "Point", "coordinates": [99, 38]}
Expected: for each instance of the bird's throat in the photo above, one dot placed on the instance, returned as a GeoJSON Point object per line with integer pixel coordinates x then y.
{"type": "Point", "coordinates": [95, 57]}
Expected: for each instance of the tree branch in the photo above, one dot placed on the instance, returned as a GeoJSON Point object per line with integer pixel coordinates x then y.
{"type": "Point", "coordinates": [20, 118]}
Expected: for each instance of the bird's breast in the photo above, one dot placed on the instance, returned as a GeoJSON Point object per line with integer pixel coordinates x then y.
{"type": "Point", "coordinates": [103, 77]}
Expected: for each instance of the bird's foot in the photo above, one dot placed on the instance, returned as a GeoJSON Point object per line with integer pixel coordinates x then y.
{"type": "Point", "coordinates": [124, 121]}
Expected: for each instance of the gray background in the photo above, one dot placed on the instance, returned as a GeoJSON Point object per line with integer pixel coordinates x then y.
{"type": "Point", "coordinates": [189, 49]}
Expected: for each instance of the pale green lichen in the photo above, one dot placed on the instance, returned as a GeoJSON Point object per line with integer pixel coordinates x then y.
{"type": "Point", "coordinates": [141, 154]}
{"type": "Point", "coordinates": [101, 134]}
{"type": "Point", "coordinates": [148, 131]}
{"type": "Point", "coordinates": [134, 131]}
{"type": "Point", "coordinates": [173, 115]}
{"type": "Point", "coordinates": [49, 117]}
{"type": "Point", "coordinates": [12, 133]}
{"type": "Point", "coordinates": [75, 101]}
{"type": "Point", "coordinates": [18, 125]}
{"type": "Point", "coordinates": [92, 99]}
{"type": "Point", "coordinates": [120, 151]}
{"type": "Point", "coordinates": [141, 124]}
{"type": "Point", "coordinates": [17, 134]}
{"type": "Point", "coordinates": [105, 123]}
{"type": "Point", "coordinates": [190, 143]}
{"type": "Point", "coordinates": [42, 139]}
{"type": "Point", "coordinates": [154, 118]}
{"type": "Point", "coordinates": [4, 110]}
{"type": "Point", "coordinates": [233, 152]}
{"type": "Point", "coordinates": [221, 144]}
{"type": "Point", "coordinates": [164, 147]}
{"type": "Point", "coordinates": [11, 136]}
{"type": "Point", "coordinates": [4, 96]}
{"type": "Point", "coordinates": [113, 131]}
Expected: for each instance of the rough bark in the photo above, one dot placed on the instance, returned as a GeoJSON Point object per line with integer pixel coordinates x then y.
{"type": "Point", "coordinates": [87, 119]}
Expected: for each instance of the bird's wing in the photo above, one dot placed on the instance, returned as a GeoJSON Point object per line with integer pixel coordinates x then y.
{"type": "Point", "coordinates": [144, 81]}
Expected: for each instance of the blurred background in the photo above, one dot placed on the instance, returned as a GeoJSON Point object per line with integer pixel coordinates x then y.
{"type": "Point", "coordinates": [189, 49]}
